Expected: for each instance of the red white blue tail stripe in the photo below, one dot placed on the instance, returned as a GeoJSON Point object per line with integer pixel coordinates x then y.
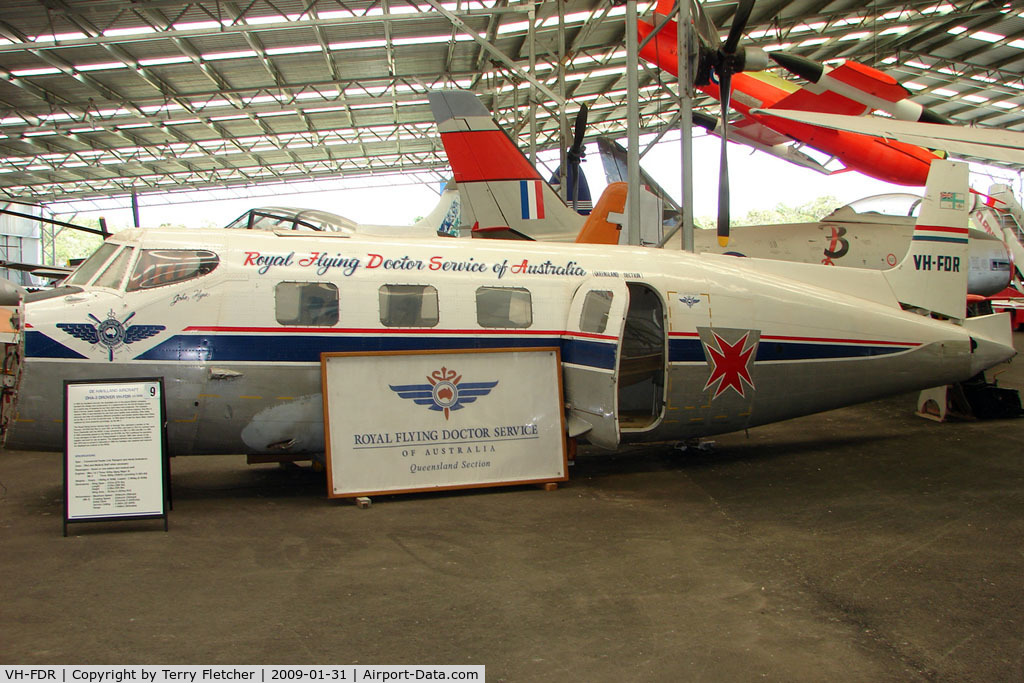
{"type": "Point", "coordinates": [531, 197]}
{"type": "Point", "coordinates": [938, 233]}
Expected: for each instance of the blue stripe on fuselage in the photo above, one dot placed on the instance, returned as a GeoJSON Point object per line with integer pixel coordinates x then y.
{"type": "Point", "coordinates": [294, 348]}
{"type": "Point", "coordinates": [38, 345]}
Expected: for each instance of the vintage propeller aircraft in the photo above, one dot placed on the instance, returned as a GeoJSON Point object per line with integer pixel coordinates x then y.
{"type": "Point", "coordinates": [443, 220]}
{"type": "Point", "coordinates": [655, 344]}
{"type": "Point", "coordinates": [849, 89]}
{"type": "Point", "coordinates": [492, 173]}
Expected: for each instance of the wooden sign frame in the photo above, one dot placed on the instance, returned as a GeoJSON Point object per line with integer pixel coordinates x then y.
{"type": "Point", "coordinates": [416, 430]}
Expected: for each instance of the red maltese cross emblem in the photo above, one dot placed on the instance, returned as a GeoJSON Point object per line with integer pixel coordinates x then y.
{"type": "Point", "coordinates": [730, 365]}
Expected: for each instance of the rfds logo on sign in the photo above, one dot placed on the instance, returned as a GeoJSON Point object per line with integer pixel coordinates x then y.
{"type": "Point", "coordinates": [949, 264]}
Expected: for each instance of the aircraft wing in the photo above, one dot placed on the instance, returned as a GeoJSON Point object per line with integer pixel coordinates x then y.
{"type": "Point", "coordinates": [805, 99]}
{"type": "Point", "coordinates": [763, 138]}
{"type": "Point", "coordinates": [47, 272]}
{"type": "Point", "coordinates": [984, 143]}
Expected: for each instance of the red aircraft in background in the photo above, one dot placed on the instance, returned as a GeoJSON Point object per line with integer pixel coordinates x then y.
{"type": "Point", "coordinates": [851, 89]}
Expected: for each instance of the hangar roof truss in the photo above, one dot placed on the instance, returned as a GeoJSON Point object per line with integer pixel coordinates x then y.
{"type": "Point", "coordinates": [103, 98]}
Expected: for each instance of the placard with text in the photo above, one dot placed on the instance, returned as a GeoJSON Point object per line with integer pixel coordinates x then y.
{"type": "Point", "coordinates": [406, 421]}
{"type": "Point", "coordinates": [115, 461]}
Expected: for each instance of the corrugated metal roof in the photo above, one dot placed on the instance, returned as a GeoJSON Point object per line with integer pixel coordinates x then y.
{"type": "Point", "coordinates": [101, 98]}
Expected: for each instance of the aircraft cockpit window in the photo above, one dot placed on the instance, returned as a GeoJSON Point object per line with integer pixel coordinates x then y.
{"type": "Point", "coordinates": [92, 265]}
{"type": "Point", "coordinates": [159, 267]}
{"type": "Point", "coordinates": [114, 274]}
{"type": "Point", "coordinates": [408, 305]}
{"type": "Point", "coordinates": [594, 316]}
{"type": "Point", "coordinates": [504, 307]}
{"type": "Point", "coordinates": [306, 303]}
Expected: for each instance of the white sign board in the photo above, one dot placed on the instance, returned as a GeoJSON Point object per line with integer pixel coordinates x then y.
{"type": "Point", "coordinates": [114, 450]}
{"type": "Point", "coordinates": [420, 421]}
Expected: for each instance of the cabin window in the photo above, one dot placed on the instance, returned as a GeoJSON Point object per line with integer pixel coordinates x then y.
{"type": "Point", "coordinates": [160, 267]}
{"type": "Point", "coordinates": [504, 307]}
{"type": "Point", "coordinates": [113, 276]}
{"type": "Point", "coordinates": [92, 265]}
{"type": "Point", "coordinates": [408, 305]}
{"type": "Point", "coordinates": [306, 303]}
{"type": "Point", "coordinates": [594, 316]}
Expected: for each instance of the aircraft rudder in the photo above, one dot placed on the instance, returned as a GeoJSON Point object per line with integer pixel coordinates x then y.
{"type": "Point", "coordinates": [500, 186]}
{"type": "Point", "coordinates": [604, 224]}
{"type": "Point", "coordinates": [933, 275]}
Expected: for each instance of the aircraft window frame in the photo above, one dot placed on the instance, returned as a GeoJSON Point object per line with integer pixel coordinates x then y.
{"type": "Point", "coordinates": [405, 305]}
{"type": "Point", "coordinates": [305, 314]}
{"type": "Point", "coordinates": [514, 298]}
{"type": "Point", "coordinates": [116, 269]}
{"type": "Point", "coordinates": [267, 220]}
{"type": "Point", "coordinates": [149, 273]}
{"type": "Point", "coordinates": [597, 305]}
{"type": "Point", "coordinates": [92, 265]}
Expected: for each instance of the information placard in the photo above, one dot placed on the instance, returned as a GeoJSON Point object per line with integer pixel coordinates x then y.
{"type": "Point", "coordinates": [428, 420]}
{"type": "Point", "coordinates": [115, 461]}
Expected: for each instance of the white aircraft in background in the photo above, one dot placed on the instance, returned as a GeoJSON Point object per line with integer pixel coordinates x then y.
{"type": "Point", "coordinates": [443, 220]}
{"type": "Point", "coordinates": [655, 344]}
{"type": "Point", "coordinates": [506, 196]}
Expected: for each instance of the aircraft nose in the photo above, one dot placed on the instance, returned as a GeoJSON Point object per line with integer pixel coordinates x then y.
{"type": "Point", "coordinates": [985, 353]}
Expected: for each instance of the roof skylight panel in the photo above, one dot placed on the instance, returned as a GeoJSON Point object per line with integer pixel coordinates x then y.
{"type": "Point", "coordinates": [162, 61]}
{"type": "Point", "coordinates": [200, 25]}
{"type": "Point", "coordinates": [293, 50]}
{"type": "Point", "coordinates": [987, 36]}
{"type": "Point", "coordinates": [104, 66]}
{"type": "Point", "coordinates": [128, 31]}
{"type": "Point", "coordinates": [237, 54]}
{"type": "Point", "coordinates": [41, 71]}
{"type": "Point", "coordinates": [942, 8]}
{"type": "Point", "coordinates": [358, 44]}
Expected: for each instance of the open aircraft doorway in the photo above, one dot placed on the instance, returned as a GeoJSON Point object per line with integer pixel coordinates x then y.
{"type": "Point", "coordinates": [642, 367]}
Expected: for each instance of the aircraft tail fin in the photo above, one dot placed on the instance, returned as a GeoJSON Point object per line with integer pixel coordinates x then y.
{"type": "Point", "coordinates": [445, 217]}
{"type": "Point", "coordinates": [500, 188]}
{"type": "Point", "coordinates": [604, 224]}
{"type": "Point", "coordinates": [933, 275]}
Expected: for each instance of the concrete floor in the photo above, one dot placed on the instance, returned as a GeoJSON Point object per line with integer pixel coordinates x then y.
{"type": "Point", "coordinates": [861, 544]}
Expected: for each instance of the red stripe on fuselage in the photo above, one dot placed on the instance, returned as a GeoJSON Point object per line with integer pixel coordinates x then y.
{"type": "Point", "coordinates": [940, 228]}
{"type": "Point", "coordinates": [486, 155]}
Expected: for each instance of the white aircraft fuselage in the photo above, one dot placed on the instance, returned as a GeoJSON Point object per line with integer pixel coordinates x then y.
{"type": "Point", "coordinates": [681, 345]}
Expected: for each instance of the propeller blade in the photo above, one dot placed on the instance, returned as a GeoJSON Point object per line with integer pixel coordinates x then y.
{"type": "Point", "coordinates": [579, 132]}
{"type": "Point", "coordinates": [725, 93]}
{"type": "Point", "coordinates": [739, 23]}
